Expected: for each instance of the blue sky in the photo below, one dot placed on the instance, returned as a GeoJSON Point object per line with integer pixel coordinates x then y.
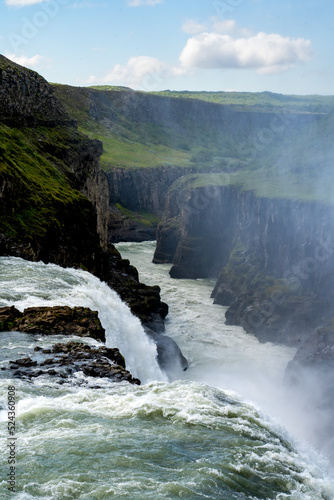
{"type": "Point", "coordinates": [239, 45]}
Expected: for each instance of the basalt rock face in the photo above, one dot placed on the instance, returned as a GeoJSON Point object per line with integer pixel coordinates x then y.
{"type": "Point", "coordinates": [27, 99]}
{"type": "Point", "coordinates": [138, 189]}
{"type": "Point", "coordinates": [196, 232]}
{"type": "Point", "coordinates": [280, 271]}
{"type": "Point", "coordinates": [276, 257]}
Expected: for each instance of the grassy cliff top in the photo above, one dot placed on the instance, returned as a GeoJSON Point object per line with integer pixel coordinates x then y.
{"type": "Point", "coordinates": [256, 101]}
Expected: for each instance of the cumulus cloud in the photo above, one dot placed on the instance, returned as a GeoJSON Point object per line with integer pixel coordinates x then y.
{"type": "Point", "coordinates": [22, 3]}
{"type": "Point", "coordinates": [139, 72]}
{"type": "Point", "coordinates": [33, 62]}
{"type": "Point", "coordinates": [137, 3]}
{"type": "Point", "coordinates": [266, 53]}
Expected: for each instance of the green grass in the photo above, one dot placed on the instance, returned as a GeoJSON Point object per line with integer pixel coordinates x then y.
{"type": "Point", "coordinates": [136, 143]}
{"type": "Point", "coordinates": [143, 217]}
{"type": "Point", "coordinates": [38, 182]}
{"type": "Point", "coordinates": [122, 152]}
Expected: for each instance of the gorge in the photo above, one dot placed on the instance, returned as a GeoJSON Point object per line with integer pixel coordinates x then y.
{"type": "Point", "coordinates": [237, 194]}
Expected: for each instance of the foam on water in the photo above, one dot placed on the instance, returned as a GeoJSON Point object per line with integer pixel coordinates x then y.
{"type": "Point", "coordinates": [159, 440]}
{"type": "Point", "coordinates": [185, 439]}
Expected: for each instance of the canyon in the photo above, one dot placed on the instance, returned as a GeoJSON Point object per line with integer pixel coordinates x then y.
{"type": "Point", "coordinates": [241, 194]}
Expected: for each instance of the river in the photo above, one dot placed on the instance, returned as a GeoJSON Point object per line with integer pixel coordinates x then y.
{"type": "Point", "coordinates": [224, 429]}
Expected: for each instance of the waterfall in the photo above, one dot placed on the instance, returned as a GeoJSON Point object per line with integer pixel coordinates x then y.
{"type": "Point", "coordinates": [39, 284]}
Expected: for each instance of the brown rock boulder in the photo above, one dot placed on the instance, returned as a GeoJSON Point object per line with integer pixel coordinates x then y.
{"type": "Point", "coordinates": [57, 320]}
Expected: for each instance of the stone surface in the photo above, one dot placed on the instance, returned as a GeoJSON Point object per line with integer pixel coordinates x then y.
{"type": "Point", "coordinates": [27, 99]}
{"type": "Point", "coordinates": [57, 320]}
{"type": "Point", "coordinates": [170, 357]}
{"type": "Point", "coordinates": [63, 360]}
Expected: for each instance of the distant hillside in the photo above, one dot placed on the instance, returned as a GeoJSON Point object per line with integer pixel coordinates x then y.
{"type": "Point", "coordinates": [257, 101]}
{"type": "Point", "coordinates": [258, 139]}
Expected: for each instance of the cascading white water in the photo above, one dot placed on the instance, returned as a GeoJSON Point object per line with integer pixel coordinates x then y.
{"type": "Point", "coordinates": [184, 439]}
{"type": "Point", "coordinates": [39, 284]}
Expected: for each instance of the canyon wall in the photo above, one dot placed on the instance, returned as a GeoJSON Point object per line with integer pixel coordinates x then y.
{"type": "Point", "coordinates": [273, 258]}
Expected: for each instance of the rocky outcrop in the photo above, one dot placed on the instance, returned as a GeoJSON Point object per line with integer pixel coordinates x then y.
{"type": "Point", "coordinates": [57, 320]}
{"type": "Point", "coordinates": [196, 232]}
{"type": "Point", "coordinates": [169, 355]}
{"type": "Point", "coordinates": [27, 99]}
{"type": "Point", "coordinates": [130, 226]}
{"type": "Point", "coordinates": [70, 225]}
{"type": "Point", "coordinates": [64, 360]}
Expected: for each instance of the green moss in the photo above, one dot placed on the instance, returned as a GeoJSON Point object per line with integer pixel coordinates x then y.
{"type": "Point", "coordinates": [36, 180]}
{"type": "Point", "coordinates": [143, 217]}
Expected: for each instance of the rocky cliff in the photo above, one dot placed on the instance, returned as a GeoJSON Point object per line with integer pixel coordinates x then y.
{"type": "Point", "coordinates": [54, 159]}
{"type": "Point", "coordinates": [138, 191]}
{"type": "Point", "coordinates": [54, 198]}
{"type": "Point", "coordinates": [273, 257]}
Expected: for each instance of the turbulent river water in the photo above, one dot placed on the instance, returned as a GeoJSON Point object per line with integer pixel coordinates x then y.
{"type": "Point", "coordinates": [225, 429]}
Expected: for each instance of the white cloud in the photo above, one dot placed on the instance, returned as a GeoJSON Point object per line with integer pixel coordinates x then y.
{"type": "Point", "coordinates": [137, 3]}
{"type": "Point", "coordinates": [22, 3]}
{"type": "Point", "coordinates": [142, 72]}
{"type": "Point", "coordinates": [266, 53]}
{"type": "Point", "coordinates": [223, 26]}
{"type": "Point", "coordinates": [191, 27]}
{"type": "Point", "coordinates": [33, 62]}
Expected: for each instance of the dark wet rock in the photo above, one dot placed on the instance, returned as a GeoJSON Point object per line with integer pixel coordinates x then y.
{"type": "Point", "coordinates": [69, 358]}
{"type": "Point", "coordinates": [8, 318]}
{"type": "Point", "coordinates": [170, 358]}
{"type": "Point", "coordinates": [26, 362]}
{"type": "Point", "coordinates": [143, 300]}
{"type": "Point", "coordinates": [316, 354]}
{"type": "Point", "coordinates": [57, 320]}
